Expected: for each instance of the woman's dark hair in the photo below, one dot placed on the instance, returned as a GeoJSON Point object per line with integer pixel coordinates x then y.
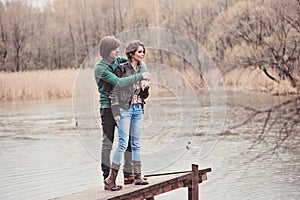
{"type": "Point", "coordinates": [132, 47]}
{"type": "Point", "coordinates": [107, 44]}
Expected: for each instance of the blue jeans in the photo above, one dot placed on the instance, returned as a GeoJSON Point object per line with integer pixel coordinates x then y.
{"type": "Point", "coordinates": [131, 123]}
{"type": "Point", "coordinates": [108, 129]}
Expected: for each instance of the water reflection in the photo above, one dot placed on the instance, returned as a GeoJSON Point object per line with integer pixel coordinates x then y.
{"type": "Point", "coordinates": [44, 155]}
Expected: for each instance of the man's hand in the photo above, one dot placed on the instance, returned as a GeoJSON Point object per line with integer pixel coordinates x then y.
{"type": "Point", "coordinates": [146, 76]}
{"type": "Point", "coordinates": [117, 118]}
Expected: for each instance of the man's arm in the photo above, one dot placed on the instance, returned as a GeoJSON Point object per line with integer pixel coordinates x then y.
{"type": "Point", "coordinates": [105, 74]}
{"type": "Point", "coordinates": [123, 81]}
{"type": "Point", "coordinates": [112, 79]}
{"type": "Point", "coordinates": [143, 68]}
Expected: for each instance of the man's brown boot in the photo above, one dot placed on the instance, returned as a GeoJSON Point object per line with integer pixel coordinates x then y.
{"type": "Point", "coordinates": [128, 179]}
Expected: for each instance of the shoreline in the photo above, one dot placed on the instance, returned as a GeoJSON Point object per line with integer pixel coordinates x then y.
{"type": "Point", "coordinates": [56, 84]}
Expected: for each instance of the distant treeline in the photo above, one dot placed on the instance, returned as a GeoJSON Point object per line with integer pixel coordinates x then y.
{"type": "Point", "coordinates": [236, 33]}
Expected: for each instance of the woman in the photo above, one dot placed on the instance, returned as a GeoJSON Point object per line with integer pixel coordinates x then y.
{"type": "Point", "coordinates": [127, 108]}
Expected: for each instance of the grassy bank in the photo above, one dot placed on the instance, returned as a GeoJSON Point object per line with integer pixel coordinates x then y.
{"type": "Point", "coordinates": [32, 85]}
{"type": "Point", "coordinates": [47, 84]}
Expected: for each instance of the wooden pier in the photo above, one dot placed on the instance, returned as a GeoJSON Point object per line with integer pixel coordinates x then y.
{"type": "Point", "coordinates": [158, 184]}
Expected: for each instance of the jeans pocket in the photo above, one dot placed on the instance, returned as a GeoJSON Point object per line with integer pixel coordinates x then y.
{"type": "Point", "coordinates": [124, 112]}
{"type": "Point", "coordinates": [138, 108]}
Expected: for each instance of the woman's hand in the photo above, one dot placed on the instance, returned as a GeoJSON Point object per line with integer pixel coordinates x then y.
{"type": "Point", "coordinates": [117, 118]}
{"type": "Point", "coordinates": [144, 85]}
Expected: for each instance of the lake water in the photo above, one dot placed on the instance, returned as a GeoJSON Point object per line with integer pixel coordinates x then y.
{"type": "Point", "coordinates": [45, 155]}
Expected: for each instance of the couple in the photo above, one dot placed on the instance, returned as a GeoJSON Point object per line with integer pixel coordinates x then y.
{"type": "Point", "coordinates": [123, 86]}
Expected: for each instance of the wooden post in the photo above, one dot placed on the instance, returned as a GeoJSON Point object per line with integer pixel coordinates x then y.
{"type": "Point", "coordinates": [193, 187]}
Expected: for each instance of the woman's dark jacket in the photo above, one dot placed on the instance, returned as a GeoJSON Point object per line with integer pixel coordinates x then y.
{"type": "Point", "coordinates": [121, 96]}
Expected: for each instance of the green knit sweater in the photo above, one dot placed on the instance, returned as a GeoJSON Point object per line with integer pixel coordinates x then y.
{"type": "Point", "coordinates": [106, 79]}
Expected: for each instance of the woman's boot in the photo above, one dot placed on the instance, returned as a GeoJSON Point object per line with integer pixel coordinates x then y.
{"type": "Point", "coordinates": [110, 181]}
{"type": "Point", "coordinates": [137, 169]}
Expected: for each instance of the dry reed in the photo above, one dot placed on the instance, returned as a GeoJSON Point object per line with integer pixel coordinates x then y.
{"type": "Point", "coordinates": [43, 84]}
{"type": "Point", "coordinates": [253, 79]}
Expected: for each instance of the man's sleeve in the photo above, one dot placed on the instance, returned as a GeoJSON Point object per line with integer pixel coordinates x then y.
{"type": "Point", "coordinates": [112, 79]}
{"type": "Point", "coordinates": [122, 59]}
{"type": "Point", "coordinates": [108, 76]}
{"type": "Point", "coordinates": [143, 68]}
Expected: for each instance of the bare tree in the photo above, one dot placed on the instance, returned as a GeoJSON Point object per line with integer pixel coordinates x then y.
{"type": "Point", "coordinates": [259, 33]}
{"type": "Point", "coordinates": [17, 14]}
{"type": "Point", "coordinates": [3, 39]}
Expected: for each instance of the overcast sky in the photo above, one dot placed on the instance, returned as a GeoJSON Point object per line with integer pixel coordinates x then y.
{"type": "Point", "coordinates": [37, 3]}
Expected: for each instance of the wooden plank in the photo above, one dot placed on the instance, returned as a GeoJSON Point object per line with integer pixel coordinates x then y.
{"type": "Point", "coordinates": [157, 185]}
